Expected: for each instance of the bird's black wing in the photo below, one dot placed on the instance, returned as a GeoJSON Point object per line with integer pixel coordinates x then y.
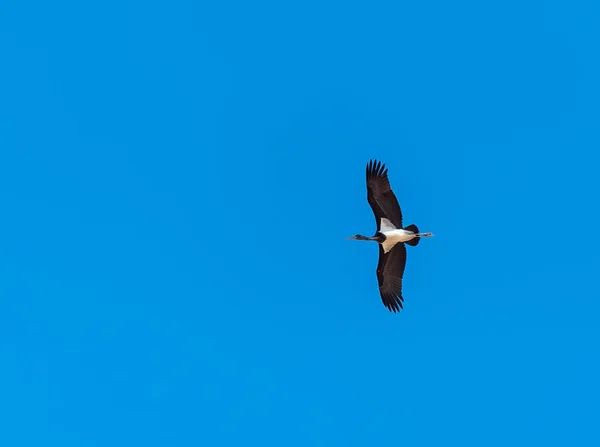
{"type": "Point", "coordinates": [390, 270]}
{"type": "Point", "coordinates": [380, 195]}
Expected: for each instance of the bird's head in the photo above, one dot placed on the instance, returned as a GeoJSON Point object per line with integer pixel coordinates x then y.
{"type": "Point", "coordinates": [359, 237]}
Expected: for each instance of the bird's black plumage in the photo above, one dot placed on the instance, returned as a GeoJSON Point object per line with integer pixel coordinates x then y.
{"type": "Point", "coordinates": [384, 204]}
{"type": "Point", "coordinates": [390, 270]}
{"type": "Point", "coordinates": [380, 195]}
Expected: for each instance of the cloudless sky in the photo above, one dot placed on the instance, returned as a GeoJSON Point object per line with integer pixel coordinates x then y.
{"type": "Point", "coordinates": [177, 180]}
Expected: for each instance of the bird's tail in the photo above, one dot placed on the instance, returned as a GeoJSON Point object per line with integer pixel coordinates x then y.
{"type": "Point", "coordinates": [414, 242]}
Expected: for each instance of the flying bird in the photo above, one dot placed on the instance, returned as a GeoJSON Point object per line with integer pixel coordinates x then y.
{"type": "Point", "coordinates": [390, 235]}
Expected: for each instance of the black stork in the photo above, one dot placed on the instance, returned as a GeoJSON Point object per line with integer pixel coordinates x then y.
{"type": "Point", "coordinates": [390, 235]}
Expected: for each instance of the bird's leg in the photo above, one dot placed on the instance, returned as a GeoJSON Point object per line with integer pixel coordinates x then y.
{"type": "Point", "coordinates": [425, 234]}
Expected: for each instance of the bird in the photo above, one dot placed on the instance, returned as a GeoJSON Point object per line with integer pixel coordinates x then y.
{"type": "Point", "coordinates": [391, 236]}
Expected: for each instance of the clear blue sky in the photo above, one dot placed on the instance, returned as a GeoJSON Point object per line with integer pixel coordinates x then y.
{"type": "Point", "coordinates": [177, 180]}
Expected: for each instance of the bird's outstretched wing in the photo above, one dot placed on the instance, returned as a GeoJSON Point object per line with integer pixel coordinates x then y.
{"type": "Point", "coordinates": [380, 195]}
{"type": "Point", "coordinates": [390, 270]}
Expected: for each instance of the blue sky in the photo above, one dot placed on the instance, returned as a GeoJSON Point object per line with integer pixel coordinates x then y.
{"type": "Point", "coordinates": [177, 180]}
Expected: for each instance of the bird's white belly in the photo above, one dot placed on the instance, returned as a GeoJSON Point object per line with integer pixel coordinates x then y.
{"type": "Point", "coordinates": [392, 237]}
